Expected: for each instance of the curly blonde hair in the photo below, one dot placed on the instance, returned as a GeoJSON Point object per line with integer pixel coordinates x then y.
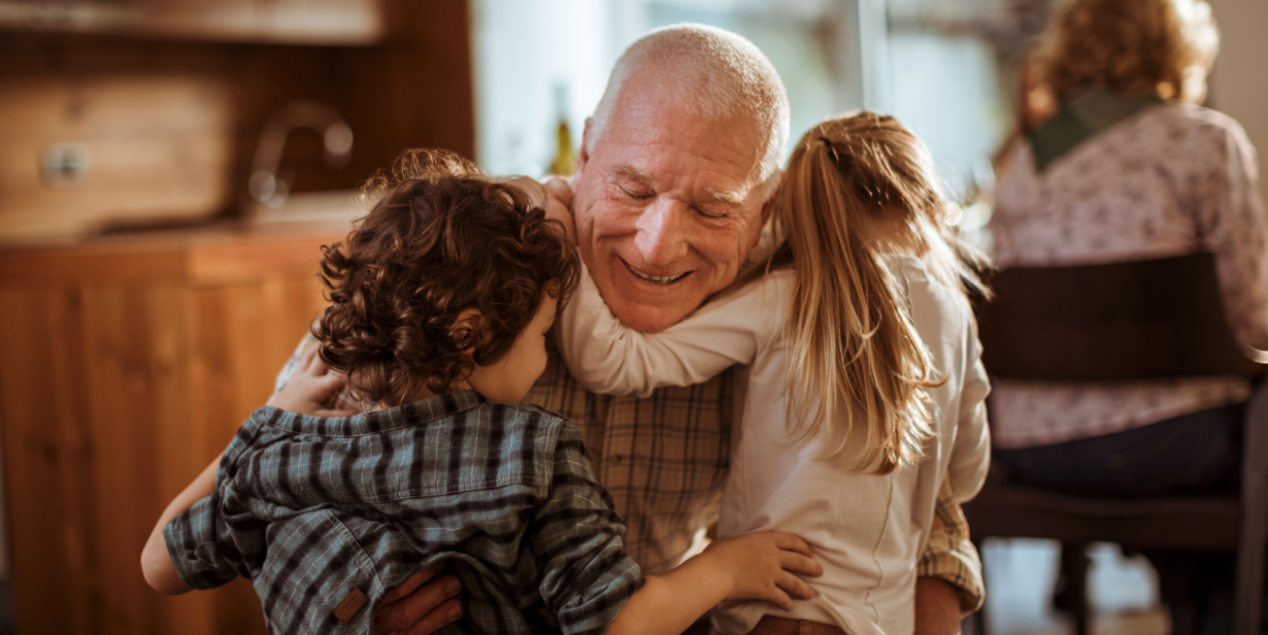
{"type": "Point", "coordinates": [1130, 46]}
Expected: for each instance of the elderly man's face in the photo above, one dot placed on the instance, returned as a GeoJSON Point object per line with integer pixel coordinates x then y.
{"type": "Point", "coordinates": [668, 206]}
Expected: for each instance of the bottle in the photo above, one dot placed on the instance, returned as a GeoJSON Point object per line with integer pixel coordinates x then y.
{"type": "Point", "coordinates": [565, 162]}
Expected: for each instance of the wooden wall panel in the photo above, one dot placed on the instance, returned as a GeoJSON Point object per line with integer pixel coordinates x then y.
{"type": "Point", "coordinates": [157, 146]}
{"type": "Point", "coordinates": [173, 125]}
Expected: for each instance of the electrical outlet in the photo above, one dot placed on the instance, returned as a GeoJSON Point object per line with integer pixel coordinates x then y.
{"type": "Point", "coordinates": [65, 164]}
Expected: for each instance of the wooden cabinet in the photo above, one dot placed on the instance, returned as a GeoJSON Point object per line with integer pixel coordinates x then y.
{"type": "Point", "coordinates": [125, 368]}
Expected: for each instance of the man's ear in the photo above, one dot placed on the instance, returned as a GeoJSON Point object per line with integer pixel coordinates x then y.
{"type": "Point", "coordinates": [465, 327]}
{"type": "Point", "coordinates": [583, 155]}
{"type": "Point", "coordinates": [769, 206]}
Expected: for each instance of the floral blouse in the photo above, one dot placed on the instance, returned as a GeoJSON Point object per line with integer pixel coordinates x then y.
{"type": "Point", "coordinates": [1170, 180]}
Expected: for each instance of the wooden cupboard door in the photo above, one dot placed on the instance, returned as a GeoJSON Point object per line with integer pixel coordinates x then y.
{"type": "Point", "coordinates": [46, 443]}
{"type": "Point", "coordinates": [114, 398]}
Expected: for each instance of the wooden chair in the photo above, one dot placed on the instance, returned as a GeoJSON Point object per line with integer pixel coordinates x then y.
{"type": "Point", "coordinates": [1117, 322]}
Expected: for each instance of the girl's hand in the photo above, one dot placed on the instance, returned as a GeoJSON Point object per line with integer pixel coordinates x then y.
{"type": "Point", "coordinates": [554, 196]}
{"type": "Point", "coordinates": [761, 566]}
{"type": "Point", "coordinates": [311, 388]}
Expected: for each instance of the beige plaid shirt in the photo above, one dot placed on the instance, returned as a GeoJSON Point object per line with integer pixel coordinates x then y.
{"type": "Point", "coordinates": [664, 461]}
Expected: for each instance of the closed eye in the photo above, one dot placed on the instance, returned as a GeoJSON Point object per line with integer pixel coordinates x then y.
{"type": "Point", "coordinates": [635, 195]}
{"type": "Point", "coordinates": [708, 214]}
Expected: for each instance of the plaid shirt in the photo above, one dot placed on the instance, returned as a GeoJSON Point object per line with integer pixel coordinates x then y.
{"type": "Point", "coordinates": [327, 515]}
{"type": "Point", "coordinates": [664, 461]}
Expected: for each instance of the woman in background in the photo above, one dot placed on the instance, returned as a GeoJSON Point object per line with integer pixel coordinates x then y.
{"type": "Point", "coordinates": [1130, 168]}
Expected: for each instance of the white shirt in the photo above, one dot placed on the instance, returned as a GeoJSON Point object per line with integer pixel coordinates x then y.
{"type": "Point", "coordinates": [867, 531]}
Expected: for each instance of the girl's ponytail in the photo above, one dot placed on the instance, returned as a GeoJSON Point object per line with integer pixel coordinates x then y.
{"type": "Point", "coordinates": [855, 355]}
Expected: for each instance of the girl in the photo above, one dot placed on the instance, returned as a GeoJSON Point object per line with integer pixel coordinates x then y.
{"type": "Point", "coordinates": [861, 390]}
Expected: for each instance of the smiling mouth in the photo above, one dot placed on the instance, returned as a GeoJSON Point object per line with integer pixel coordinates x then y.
{"type": "Point", "coordinates": [654, 279]}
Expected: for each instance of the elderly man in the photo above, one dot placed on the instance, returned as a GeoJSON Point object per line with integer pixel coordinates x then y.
{"type": "Point", "coordinates": [676, 175]}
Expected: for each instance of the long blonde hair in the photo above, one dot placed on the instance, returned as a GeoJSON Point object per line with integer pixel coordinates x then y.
{"type": "Point", "coordinates": [856, 356]}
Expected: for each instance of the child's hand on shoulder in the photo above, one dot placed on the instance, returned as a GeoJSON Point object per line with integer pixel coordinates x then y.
{"type": "Point", "coordinates": [311, 388]}
{"type": "Point", "coordinates": [554, 196]}
{"type": "Point", "coordinates": [559, 206]}
{"type": "Point", "coordinates": [761, 566]}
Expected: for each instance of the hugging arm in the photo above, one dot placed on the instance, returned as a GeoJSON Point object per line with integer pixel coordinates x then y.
{"type": "Point", "coordinates": [606, 356]}
{"type": "Point", "coordinates": [160, 573]}
{"type": "Point", "coordinates": [593, 586]}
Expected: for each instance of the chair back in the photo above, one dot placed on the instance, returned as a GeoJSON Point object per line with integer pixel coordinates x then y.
{"type": "Point", "coordinates": [1112, 322]}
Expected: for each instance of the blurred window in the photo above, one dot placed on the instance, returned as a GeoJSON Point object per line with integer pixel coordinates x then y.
{"type": "Point", "coordinates": [931, 62]}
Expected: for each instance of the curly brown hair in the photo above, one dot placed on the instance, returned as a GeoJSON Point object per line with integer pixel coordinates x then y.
{"type": "Point", "coordinates": [1130, 46]}
{"type": "Point", "coordinates": [441, 238]}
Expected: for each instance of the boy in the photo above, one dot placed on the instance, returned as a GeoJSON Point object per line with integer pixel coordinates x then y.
{"type": "Point", "coordinates": [441, 300]}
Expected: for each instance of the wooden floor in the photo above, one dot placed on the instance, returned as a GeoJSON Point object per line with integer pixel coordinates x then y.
{"type": "Point", "coordinates": [1021, 574]}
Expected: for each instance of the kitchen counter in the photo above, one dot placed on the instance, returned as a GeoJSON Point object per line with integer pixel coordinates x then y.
{"type": "Point", "coordinates": [219, 252]}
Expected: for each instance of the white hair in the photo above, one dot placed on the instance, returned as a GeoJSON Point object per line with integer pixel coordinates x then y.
{"type": "Point", "coordinates": [715, 73]}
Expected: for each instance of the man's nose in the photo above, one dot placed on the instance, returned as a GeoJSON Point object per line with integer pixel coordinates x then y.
{"type": "Point", "coordinates": [662, 236]}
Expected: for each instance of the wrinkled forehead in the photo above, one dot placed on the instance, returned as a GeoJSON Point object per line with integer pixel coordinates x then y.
{"type": "Point", "coordinates": [668, 138]}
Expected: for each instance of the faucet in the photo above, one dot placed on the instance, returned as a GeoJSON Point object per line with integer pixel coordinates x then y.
{"type": "Point", "coordinates": [265, 185]}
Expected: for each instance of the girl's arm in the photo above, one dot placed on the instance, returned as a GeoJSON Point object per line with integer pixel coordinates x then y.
{"type": "Point", "coordinates": [751, 567]}
{"type": "Point", "coordinates": [157, 566]}
{"type": "Point", "coordinates": [607, 356]}
{"type": "Point", "coordinates": [971, 449]}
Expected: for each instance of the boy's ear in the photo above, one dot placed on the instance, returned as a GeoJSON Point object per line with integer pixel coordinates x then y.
{"type": "Point", "coordinates": [464, 328]}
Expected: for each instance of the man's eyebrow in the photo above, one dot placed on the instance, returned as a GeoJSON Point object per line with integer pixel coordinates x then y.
{"type": "Point", "coordinates": [626, 169]}
{"type": "Point", "coordinates": [730, 198]}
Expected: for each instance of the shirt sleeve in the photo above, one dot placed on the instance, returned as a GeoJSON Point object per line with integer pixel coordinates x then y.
{"type": "Point", "coordinates": [971, 451]}
{"type": "Point", "coordinates": [950, 556]}
{"type": "Point", "coordinates": [1235, 228]}
{"type": "Point", "coordinates": [608, 357]}
{"type": "Point", "coordinates": [586, 575]}
{"type": "Point", "coordinates": [200, 548]}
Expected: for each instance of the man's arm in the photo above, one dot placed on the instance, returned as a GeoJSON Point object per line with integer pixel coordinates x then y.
{"type": "Point", "coordinates": [937, 607]}
{"type": "Point", "coordinates": [950, 572]}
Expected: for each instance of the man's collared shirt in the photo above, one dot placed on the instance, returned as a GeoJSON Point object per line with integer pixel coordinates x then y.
{"type": "Point", "coordinates": [326, 515]}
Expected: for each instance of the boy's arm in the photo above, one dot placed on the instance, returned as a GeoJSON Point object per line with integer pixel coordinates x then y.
{"type": "Point", "coordinates": [971, 449]}
{"type": "Point", "coordinates": [606, 356]}
{"type": "Point", "coordinates": [750, 567]}
{"type": "Point", "coordinates": [587, 577]}
{"type": "Point", "coordinates": [157, 566]}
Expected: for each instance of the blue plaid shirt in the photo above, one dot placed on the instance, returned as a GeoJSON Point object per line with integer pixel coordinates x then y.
{"type": "Point", "coordinates": [328, 515]}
